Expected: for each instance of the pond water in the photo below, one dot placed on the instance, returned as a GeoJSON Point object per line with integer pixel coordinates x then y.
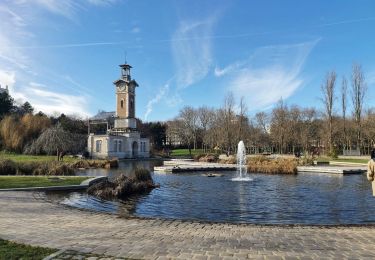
{"type": "Point", "coordinates": [306, 198]}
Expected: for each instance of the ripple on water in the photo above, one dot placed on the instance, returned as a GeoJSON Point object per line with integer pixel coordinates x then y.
{"type": "Point", "coordinates": [306, 198]}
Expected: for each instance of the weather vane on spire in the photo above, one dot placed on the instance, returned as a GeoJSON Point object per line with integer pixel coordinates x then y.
{"type": "Point", "coordinates": [125, 54]}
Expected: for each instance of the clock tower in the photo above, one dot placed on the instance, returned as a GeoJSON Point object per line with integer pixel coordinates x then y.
{"type": "Point", "coordinates": [125, 99]}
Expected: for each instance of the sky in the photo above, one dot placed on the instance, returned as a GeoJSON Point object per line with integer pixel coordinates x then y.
{"type": "Point", "coordinates": [63, 56]}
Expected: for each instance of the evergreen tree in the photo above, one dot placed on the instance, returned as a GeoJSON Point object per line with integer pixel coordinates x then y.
{"type": "Point", "coordinates": [27, 108]}
{"type": "Point", "coordinates": [6, 104]}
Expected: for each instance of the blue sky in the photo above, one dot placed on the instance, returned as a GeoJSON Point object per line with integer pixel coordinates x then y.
{"type": "Point", "coordinates": [63, 56]}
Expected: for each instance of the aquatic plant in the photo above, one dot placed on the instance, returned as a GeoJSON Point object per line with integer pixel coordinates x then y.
{"type": "Point", "coordinates": [123, 186]}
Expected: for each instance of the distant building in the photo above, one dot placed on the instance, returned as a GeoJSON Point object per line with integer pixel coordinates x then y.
{"type": "Point", "coordinates": [120, 138]}
{"type": "Point", "coordinates": [2, 90]}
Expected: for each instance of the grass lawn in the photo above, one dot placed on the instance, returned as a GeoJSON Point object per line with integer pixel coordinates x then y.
{"type": "Point", "coordinates": [12, 251]}
{"type": "Point", "coordinates": [352, 160]}
{"type": "Point", "coordinates": [33, 158]}
{"type": "Point", "coordinates": [327, 159]}
{"type": "Point", "coordinates": [185, 152]}
{"type": "Point", "coordinates": [8, 182]}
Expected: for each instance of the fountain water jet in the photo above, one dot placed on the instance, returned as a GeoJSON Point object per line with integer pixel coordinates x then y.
{"type": "Point", "coordinates": [241, 163]}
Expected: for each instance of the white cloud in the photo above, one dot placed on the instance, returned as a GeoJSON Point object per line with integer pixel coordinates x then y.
{"type": "Point", "coordinates": [51, 102]}
{"type": "Point", "coordinates": [271, 73]}
{"type": "Point", "coordinates": [67, 8]}
{"type": "Point", "coordinates": [221, 72]}
{"type": "Point", "coordinates": [43, 99]}
{"type": "Point", "coordinates": [7, 78]}
{"type": "Point", "coordinates": [70, 8]}
{"type": "Point", "coordinates": [102, 2]}
{"type": "Point", "coordinates": [18, 69]}
{"type": "Point", "coordinates": [192, 51]}
{"type": "Point", "coordinates": [162, 92]}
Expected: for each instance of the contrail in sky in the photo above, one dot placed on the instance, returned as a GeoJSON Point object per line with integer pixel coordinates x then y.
{"type": "Point", "coordinates": [243, 35]}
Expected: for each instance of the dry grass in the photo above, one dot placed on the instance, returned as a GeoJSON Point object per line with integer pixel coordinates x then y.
{"type": "Point", "coordinates": [206, 157]}
{"type": "Point", "coordinates": [86, 164]}
{"type": "Point", "coordinates": [54, 168]}
{"type": "Point", "coordinates": [262, 164]}
{"type": "Point", "coordinates": [229, 160]}
{"type": "Point", "coordinates": [123, 186]}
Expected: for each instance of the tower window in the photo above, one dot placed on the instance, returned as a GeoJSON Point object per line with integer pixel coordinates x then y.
{"type": "Point", "coordinates": [122, 103]}
{"type": "Point", "coordinates": [131, 108]}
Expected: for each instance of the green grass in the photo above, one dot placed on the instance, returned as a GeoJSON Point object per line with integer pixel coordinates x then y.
{"type": "Point", "coordinates": [33, 158]}
{"type": "Point", "coordinates": [185, 152]}
{"type": "Point", "coordinates": [14, 251]}
{"type": "Point", "coordinates": [9, 182]}
{"type": "Point", "coordinates": [352, 160]}
{"type": "Point", "coordinates": [327, 159]}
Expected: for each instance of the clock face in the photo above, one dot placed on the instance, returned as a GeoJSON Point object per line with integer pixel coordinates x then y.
{"type": "Point", "coordinates": [121, 87]}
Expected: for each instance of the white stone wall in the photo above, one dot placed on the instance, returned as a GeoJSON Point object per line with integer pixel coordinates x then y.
{"type": "Point", "coordinates": [92, 146]}
{"type": "Point", "coordinates": [119, 146]}
{"type": "Point", "coordinates": [144, 149]}
{"type": "Point", "coordinates": [126, 123]}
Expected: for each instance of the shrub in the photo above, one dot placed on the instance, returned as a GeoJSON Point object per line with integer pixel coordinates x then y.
{"type": "Point", "coordinates": [123, 186]}
{"type": "Point", "coordinates": [229, 160]}
{"type": "Point", "coordinates": [26, 168]}
{"type": "Point", "coordinates": [197, 157]}
{"type": "Point", "coordinates": [333, 153]}
{"type": "Point", "coordinates": [207, 157]}
{"type": "Point", "coordinates": [142, 174]}
{"type": "Point", "coordinates": [272, 166]}
{"type": "Point", "coordinates": [7, 167]}
{"type": "Point", "coordinates": [59, 169]}
{"type": "Point", "coordinates": [306, 160]}
{"type": "Point", "coordinates": [81, 164]}
{"type": "Point", "coordinates": [54, 169]}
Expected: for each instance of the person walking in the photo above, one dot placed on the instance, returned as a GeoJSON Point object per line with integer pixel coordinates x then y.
{"type": "Point", "coordinates": [371, 170]}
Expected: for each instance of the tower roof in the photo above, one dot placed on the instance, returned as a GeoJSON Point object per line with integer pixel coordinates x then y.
{"type": "Point", "coordinates": [125, 66]}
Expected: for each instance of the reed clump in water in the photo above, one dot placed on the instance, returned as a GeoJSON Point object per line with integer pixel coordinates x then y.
{"type": "Point", "coordinates": [206, 157]}
{"type": "Point", "coordinates": [262, 164]}
{"type": "Point", "coordinates": [123, 186]}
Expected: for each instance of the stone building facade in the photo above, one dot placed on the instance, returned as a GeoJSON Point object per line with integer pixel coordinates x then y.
{"type": "Point", "coordinates": [122, 139]}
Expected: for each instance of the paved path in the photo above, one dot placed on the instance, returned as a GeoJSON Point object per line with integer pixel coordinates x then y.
{"type": "Point", "coordinates": [25, 218]}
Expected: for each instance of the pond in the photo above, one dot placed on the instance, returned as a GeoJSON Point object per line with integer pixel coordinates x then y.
{"type": "Point", "coordinates": [306, 198]}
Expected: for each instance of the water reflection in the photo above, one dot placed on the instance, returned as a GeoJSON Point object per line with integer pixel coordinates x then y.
{"type": "Point", "coordinates": [308, 198]}
{"type": "Point", "coordinates": [125, 167]}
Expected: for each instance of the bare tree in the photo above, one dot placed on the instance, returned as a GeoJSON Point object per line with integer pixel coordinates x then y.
{"type": "Point", "coordinates": [344, 89]}
{"type": "Point", "coordinates": [242, 119]}
{"type": "Point", "coordinates": [328, 91]}
{"type": "Point", "coordinates": [309, 128]}
{"type": "Point", "coordinates": [279, 123]}
{"type": "Point", "coordinates": [262, 121]}
{"type": "Point", "coordinates": [229, 118]}
{"type": "Point", "coordinates": [206, 118]}
{"type": "Point", "coordinates": [189, 118]}
{"type": "Point", "coordinates": [359, 89]}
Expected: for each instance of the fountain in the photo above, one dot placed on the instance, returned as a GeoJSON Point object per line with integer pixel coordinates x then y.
{"type": "Point", "coordinates": [241, 163]}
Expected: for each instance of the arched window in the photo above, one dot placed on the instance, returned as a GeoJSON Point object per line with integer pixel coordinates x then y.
{"type": "Point", "coordinates": [122, 103]}
{"type": "Point", "coordinates": [115, 146]}
{"type": "Point", "coordinates": [98, 146]}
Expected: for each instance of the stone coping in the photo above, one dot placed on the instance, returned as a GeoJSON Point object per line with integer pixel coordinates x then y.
{"type": "Point", "coordinates": [27, 219]}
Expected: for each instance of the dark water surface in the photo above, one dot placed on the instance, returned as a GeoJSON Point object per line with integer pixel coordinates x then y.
{"type": "Point", "coordinates": [306, 198]}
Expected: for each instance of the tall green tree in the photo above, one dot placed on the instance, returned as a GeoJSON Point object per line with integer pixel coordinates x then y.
{"type": "Point", "coordinates": [27, 108]}
{"type": "Point", "coordinates": [6, 104]}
